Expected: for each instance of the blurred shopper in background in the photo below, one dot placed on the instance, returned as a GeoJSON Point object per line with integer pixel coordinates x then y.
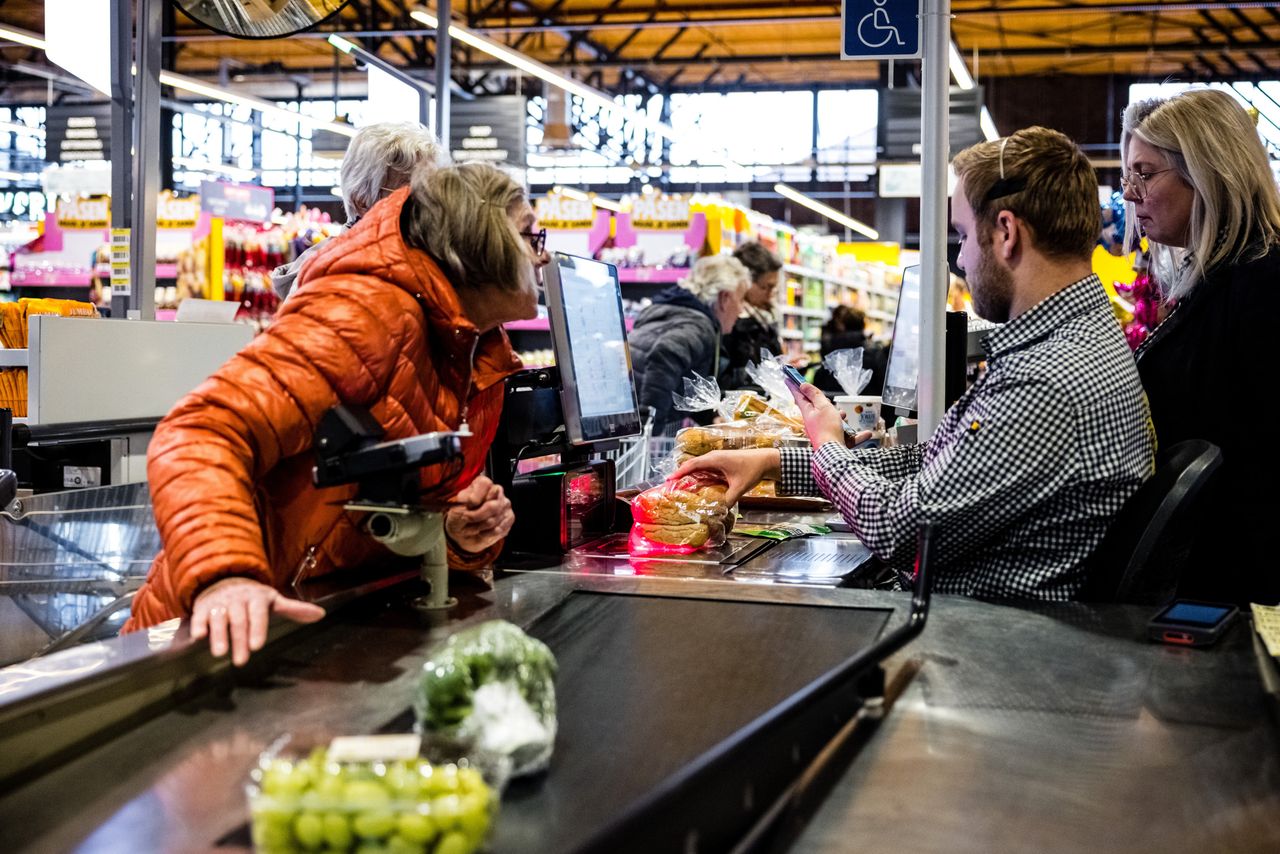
{"type": "Point", "coordinates": [401, 315]}
{"type": "Point", "coordinates": [680, 334]}
{"type": "Point", "coordinates": [756, 328]}
{"type": "Point", "coordinates": [1200, 189]}
{"type": "Point", "coordinates": [846, 329]}
{"type": "Point", "coordinates": [380, 160]}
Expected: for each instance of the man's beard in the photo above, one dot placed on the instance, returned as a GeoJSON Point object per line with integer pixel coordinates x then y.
{"type": "Point", "coordinates": [991, 286]}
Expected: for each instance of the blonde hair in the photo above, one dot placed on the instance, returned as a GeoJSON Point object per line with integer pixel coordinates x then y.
{"type": "Point", "coordinates": [381, 158]}
{"type": "Point", "coordinates": [461, 216]}
{"type": "Point", "coordinates": [1044, 178]}
{"type": "Point", "coordinates": [714, 275]}
{"type": "Point", "coordinates": [1213, 145]}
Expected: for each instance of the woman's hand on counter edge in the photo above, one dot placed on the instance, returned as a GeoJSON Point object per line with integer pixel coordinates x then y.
{"type": "Point", "coordinates": [741, 470]}
{"type": "Point", "coordinates": [235, 612]}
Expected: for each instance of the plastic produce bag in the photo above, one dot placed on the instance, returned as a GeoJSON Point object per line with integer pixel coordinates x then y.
{"type": "Point", "coordinates": [846, 367]}
{"type": "Point", "coordinates": [680, 516]}
{"type": "Point", "coordinates": [491, 689]}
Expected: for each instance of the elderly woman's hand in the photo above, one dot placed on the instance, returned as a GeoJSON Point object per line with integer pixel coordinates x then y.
{"type": "Point", "coordinates": [236, 611]}
{"type": "Point", "coordinates": [482, 516]}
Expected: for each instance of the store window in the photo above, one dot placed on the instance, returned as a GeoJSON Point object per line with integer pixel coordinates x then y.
{"type": "Point", "coordinates": [847, 121]}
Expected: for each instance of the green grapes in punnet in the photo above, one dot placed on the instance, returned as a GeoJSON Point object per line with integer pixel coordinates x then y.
{"type": "Point", "coordinates": [405, 806]}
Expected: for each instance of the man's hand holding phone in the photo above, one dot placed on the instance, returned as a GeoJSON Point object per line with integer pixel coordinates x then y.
{"type": "Point", "coordinates": [822, 421]}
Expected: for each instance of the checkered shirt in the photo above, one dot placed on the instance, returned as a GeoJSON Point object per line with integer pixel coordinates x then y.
{"type": "Point", "coordinates": [1025, 471]}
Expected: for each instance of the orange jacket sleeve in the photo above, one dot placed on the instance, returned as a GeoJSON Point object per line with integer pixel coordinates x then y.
{"type": "Point", "coordinates": [261, 407]}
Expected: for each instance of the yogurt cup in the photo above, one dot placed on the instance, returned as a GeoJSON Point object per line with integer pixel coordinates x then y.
{"type": "Point", "coordinates": [862, 412]}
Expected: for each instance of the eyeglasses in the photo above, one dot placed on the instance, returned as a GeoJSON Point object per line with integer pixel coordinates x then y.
{"type": "Point", "coordinates": [1136, 182]}
{"type": "Point", "coordinates": [537, 239]}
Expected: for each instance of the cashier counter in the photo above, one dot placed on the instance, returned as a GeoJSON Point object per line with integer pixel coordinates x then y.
{"type": "Point", "coordinates": [1059, 728]}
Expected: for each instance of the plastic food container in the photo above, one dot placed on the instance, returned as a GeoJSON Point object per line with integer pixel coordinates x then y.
{"type": "Point", "coordinates": [360, 794]}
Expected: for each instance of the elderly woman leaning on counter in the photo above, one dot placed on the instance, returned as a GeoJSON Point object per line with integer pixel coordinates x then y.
{"type": "Point", "coordinates": [402, 315]}
{"type": "Point", "coordinates": [1200, 189]}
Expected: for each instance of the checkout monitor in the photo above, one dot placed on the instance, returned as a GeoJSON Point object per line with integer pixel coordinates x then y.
{"type": "Point", "coordinates": [903, 368]}
{"type": "Point", "coordinates": [589, 334]}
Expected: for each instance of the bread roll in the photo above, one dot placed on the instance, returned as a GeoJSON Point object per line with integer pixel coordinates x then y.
{"type": "Point", "coordinates": [675, 535]}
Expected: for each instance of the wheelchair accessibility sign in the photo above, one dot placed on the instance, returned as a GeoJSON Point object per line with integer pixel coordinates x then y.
{"type": "Point", "coordinates": [880, 29]}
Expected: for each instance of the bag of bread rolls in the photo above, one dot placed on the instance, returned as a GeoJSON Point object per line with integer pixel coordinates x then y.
{"type": "Point", "coordinates": [680, 516]}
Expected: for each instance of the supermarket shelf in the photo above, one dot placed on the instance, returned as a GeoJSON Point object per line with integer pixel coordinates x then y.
{"type": "Point", "coordinates": [13, 358]}
{"type": "Point", "coordinates": [651, 275]}
{"type": "Point", "coordinates": [820, 313]}
{"type": "Point", "coordinates": [32, 277]}
{"type": "Point", "coordinates": [538, 324]}
{"type": "Point", "coordinates": [880, 315]}
{"type": "Point", "coordinates": [808, 273]}
{"type": "Point", "coordinates": [791, 334]}
{"type": "Point", "coordinates": [541, 324]}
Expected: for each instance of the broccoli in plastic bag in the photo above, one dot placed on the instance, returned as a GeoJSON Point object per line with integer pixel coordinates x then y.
{"type": "Point", "coordinates": [491, 688]}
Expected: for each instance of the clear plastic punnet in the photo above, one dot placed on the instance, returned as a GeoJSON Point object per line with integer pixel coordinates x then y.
{"type": "Point", "coordinates": [487, 691]}
{"type": "Point", "coordinates": [367, 793]}
{"type": "Point", "coordinates": [680, 516]}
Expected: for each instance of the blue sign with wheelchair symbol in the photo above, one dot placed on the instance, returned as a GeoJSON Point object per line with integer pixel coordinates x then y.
{"type": "Point", "coordinates": [880, 29]}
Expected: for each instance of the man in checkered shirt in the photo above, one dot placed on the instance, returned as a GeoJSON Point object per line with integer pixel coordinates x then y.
{"type": "Point", "coordinates": [1031, 464]}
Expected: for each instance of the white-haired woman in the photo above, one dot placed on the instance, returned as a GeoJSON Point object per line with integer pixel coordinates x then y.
{"type": "Point", "coordinates": [680, 333]}
{"type": "Point", "coordinates": [1200, 189]}
{"type": "Point", "coordinates": [380, 160]}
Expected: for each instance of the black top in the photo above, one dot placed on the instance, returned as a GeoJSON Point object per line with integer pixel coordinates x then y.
{"type": "Point", "coordinates": [672, 340]}
{"type": "Point", "coordinates": [1212, 371]}
{"type": "Point", "coordinates": [743, 345]}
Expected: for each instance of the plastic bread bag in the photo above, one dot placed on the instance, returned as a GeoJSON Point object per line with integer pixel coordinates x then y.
{"type": "Point", "coordinates": [700, 394]}
{"type": "Point", "coordinates": [733, 436]}
{"type": "Point", "coordinates": [681, 516]}
{"type": "Point", "coordinates": [753, 407]}
{"type": "Point", "coordinates": [846, 367]}
{"type": "Point", "coordinates": [490, 689]}
{"type": "Point", "coordinates": [767, 374]}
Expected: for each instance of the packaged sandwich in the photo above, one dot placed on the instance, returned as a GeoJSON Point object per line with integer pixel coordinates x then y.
{"type": "Point", "coordinates": [681, 515]}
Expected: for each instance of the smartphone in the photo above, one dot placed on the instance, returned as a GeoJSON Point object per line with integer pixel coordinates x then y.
{"type": "Point", "coordinates": [793, 378]}
{"type": "Point", "coordinates": [1189, 623]}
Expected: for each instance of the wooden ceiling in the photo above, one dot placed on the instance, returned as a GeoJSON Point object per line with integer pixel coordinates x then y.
{"type": "Point", "coordinates": [696, 45]}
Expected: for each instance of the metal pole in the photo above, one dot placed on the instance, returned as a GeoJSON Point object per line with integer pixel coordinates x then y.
{"type": "Point", "coordinates": [444, 61]}
{"type": "Point", "coordinates": [121, 130]}
{"type": "Point", "coordinates": [935, 153]}
{"type": "Point", "coordinates": [146, 166]}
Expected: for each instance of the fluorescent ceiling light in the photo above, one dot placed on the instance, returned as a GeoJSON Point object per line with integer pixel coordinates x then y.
{"type": "Point", "coordinates": [543, 72]}
{"type": "Point", "coordinates": [582, 196]}
{"type": "Point", "coordinates": [19, 127]}
{"type": "Point", "coordinates": [22, 37]}
{"type": "Point", "coordinates": [958, 70]}
{"type": "Point", "coordinates": [988, 125]}
{"type": "Point", "coordinates": [829, 212]}
{"type": "Point", "coordinates": [196, 87]}
{"type": "Point", "coordinates": [341, 44]}
{"type": "Point", "coordinates": [221, 168]}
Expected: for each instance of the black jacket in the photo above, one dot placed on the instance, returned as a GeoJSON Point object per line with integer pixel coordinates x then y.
{"type": "Point", "coordinates": [1212, 371]}
{"type": "Point", "coordinates": [743, 345]}
{"type": "Point", "coordinates": [673, 338]}
{"type": "Point", "coordinates": [874, 357]}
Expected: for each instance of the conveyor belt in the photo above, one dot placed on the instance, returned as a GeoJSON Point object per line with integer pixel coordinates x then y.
{"type": "Point", "coordinates": [647, 685]}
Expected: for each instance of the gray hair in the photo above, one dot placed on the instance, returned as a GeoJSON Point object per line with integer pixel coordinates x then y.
{"type": "Point", "coordinates": [714, 275]}
{"type": "Point", "coordinates": [1213, 145]}
{"type": "Point", "coordinates": [381, 159]}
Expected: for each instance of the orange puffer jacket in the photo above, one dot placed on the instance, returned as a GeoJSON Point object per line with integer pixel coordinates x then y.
{"type": "Point", "coordinates": [376, 324]}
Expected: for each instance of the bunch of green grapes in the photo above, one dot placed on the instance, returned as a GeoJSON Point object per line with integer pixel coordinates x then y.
{"type": "Point", "coordinates": [402, 807]}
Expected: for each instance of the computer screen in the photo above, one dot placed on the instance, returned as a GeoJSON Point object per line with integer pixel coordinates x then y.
{"type": "Point", "coordinates": [589, 335]}
{"type": "Point", "coordinates": [903, 369]}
